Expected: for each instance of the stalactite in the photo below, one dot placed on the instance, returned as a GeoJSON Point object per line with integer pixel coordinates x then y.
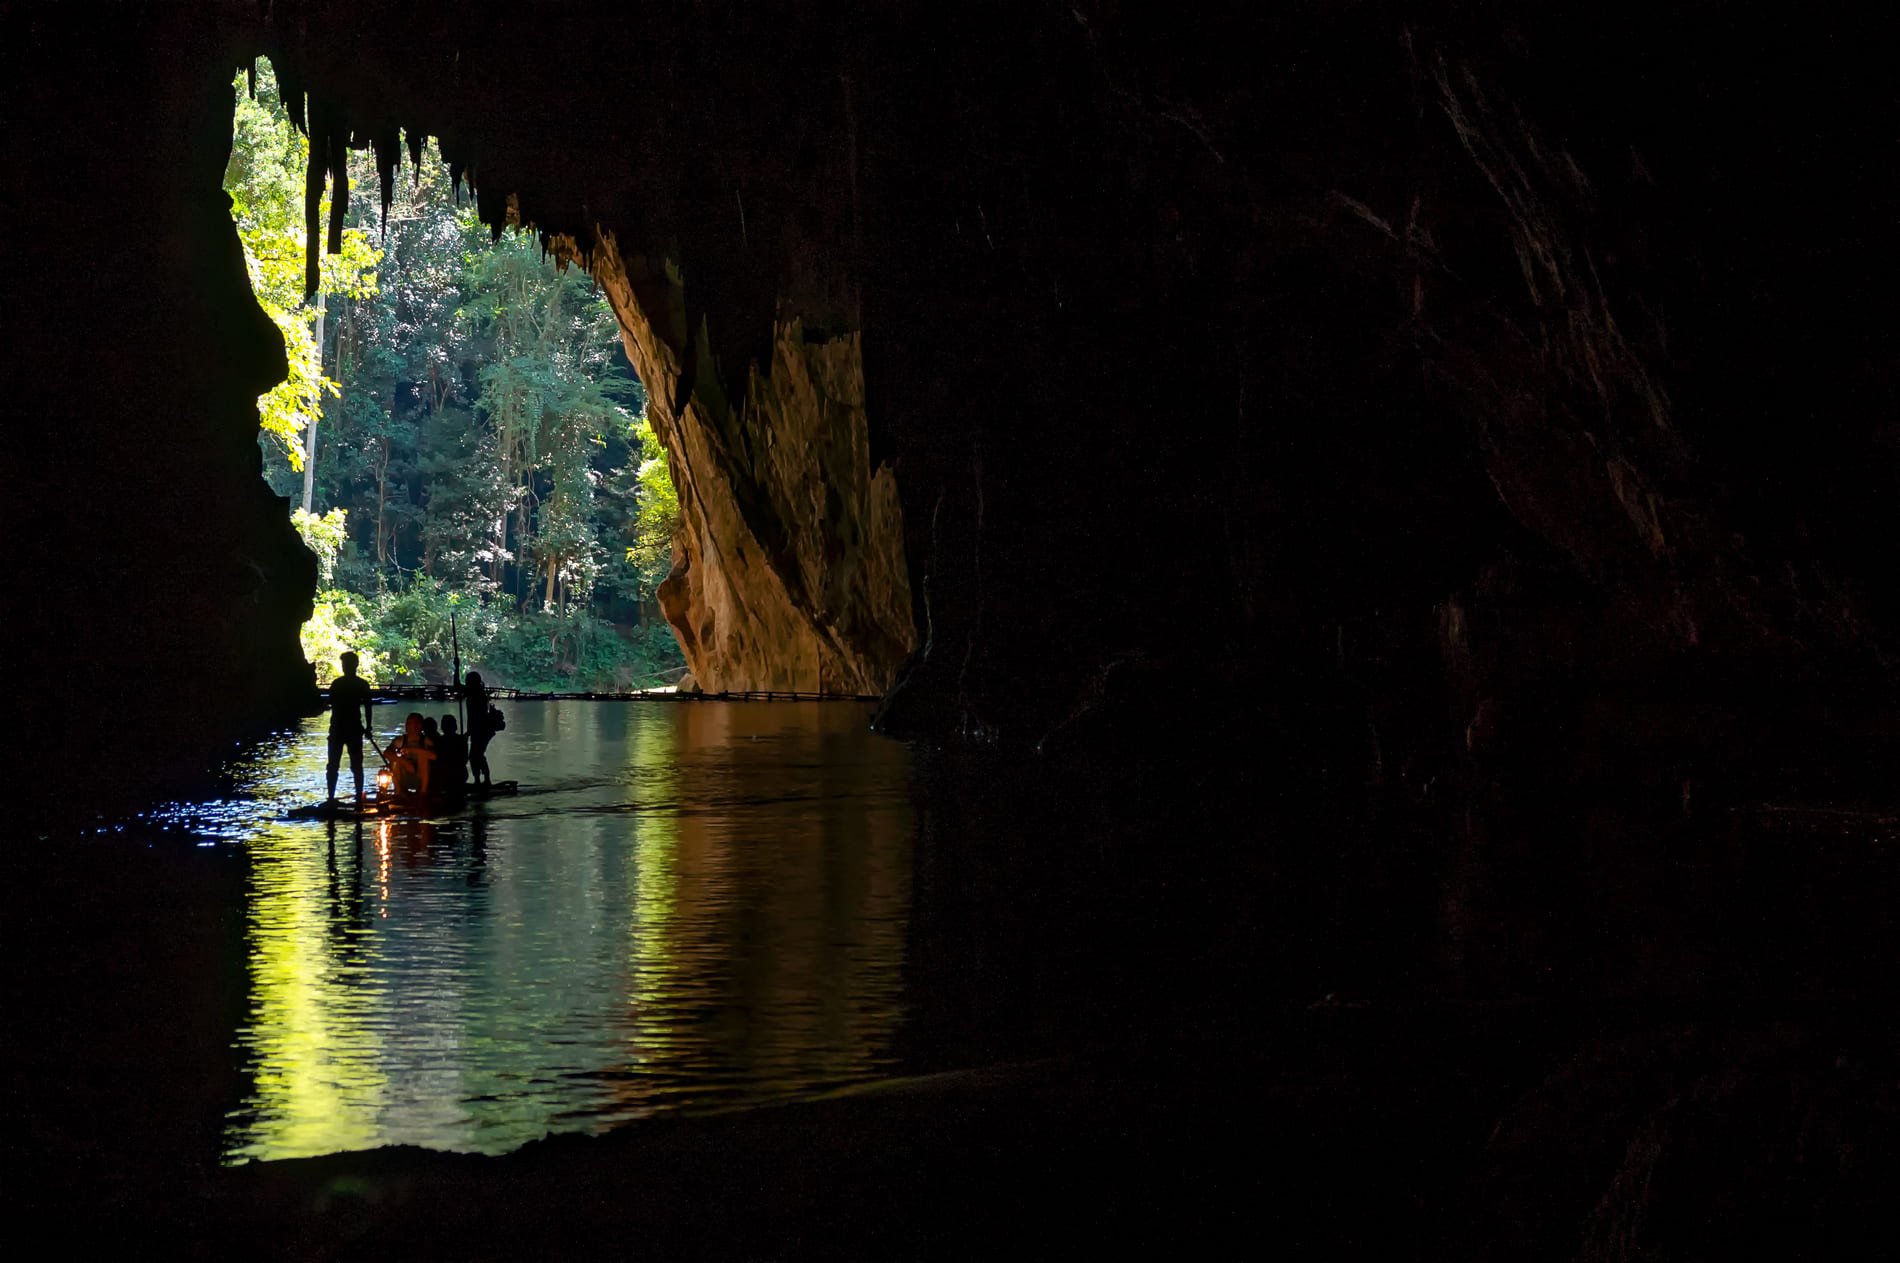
{"type": "Point", "coordinates": [492, 206]}
{"type": "Point", "coordinates": [339, 186]}
{"type": "Point", "coordinates": [415, 139]}
{"type": "Point", "coordinates": [290, 89]}
{"type": "Point", "coordinates": [313, 211]}
{"type": "Point", "coordinates": [388, 145]}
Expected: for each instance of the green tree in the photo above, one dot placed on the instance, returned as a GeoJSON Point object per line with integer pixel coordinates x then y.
{"type": "Point", "coordinates": [483, 449]}
{"type": "Point", "coordinates": [552, 391]}
{"type": "Point", "coordinates": [265, 181]}
{"type": "Point", "coordinates": [323, 536]}
{"type": "Point", "coordinates": [657, 516]}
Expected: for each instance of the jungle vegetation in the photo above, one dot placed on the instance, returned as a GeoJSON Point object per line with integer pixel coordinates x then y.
{"type": "Point", "coordinates": [460, 433]}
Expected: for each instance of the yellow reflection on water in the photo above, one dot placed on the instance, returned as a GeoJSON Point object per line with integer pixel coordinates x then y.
{"type": "Point", "coordinates": [654, 882]}
{"type": "Point", "coordinates": [316, 1076]}
{"type": "Point", "coordinates": [686, 907]}
{"type": "Point", "coordinates": [382, 867]}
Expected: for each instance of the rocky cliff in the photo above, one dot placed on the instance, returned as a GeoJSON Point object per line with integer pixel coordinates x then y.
{"type": "Point", "coordinates": [789, 570]}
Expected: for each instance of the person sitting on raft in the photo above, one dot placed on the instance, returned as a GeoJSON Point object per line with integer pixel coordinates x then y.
{"type": "Point", "coordinates": [411, 758]}
{"type": "Point", "coordinates": [451, 757]}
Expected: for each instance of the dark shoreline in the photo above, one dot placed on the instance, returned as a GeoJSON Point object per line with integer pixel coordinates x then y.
{"type": "Point", "coordinates": [1350, 1134]}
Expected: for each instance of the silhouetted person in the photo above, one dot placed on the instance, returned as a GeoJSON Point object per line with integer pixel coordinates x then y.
{"type": "Point", "coordinates": [348, 695]}
{"type": "Point", "coordinates": [412, 758]}
{"type": "Point", "coordinates": [451, 756]}
{"type": "Point", "coordinates": [480, 728]}
{"type": "Point", "coordinates": [431, 734]}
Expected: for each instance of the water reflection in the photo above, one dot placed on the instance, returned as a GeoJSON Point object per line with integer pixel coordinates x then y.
{"type": "Point", "coordinates": [689, 906]}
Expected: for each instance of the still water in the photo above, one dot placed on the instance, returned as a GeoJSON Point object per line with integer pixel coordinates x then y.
{"type": "Point", "coordinates": [689, 906]}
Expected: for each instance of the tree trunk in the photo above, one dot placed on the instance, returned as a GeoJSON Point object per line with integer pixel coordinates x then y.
{"type": "Point", "coordinates": [382, 501]}
{"type": "Point", "coordinates": [524, 541]}
{"type": "Point", "coordinates": [495, 572]}
{"type": "Point", "coordinates": [310, 422]}
{"type": "Point", "coordinates": [394, 403]}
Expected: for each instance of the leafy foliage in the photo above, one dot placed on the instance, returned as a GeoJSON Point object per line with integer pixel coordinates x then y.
{"type": "Point", "coordinates": [405, 637]}
{"type": "Point", "coordinates": [323, 535]}
{"type": "Point", "coordinates": [658, 517]}
{"type": "Point", "coordinates": [339, 623]}
{"type": "Point", "coordinates": [482, 449]}
{"type": "Point", "coordinates": [265, 180]}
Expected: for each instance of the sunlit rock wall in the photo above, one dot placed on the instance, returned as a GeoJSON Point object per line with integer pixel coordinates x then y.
{"type": "Point", "coordinates": [788, 570]}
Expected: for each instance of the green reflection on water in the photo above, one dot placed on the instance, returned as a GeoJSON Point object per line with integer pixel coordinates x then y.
{"type": "Point", "coordinates": [689, 906]}
{"type": "Point", "coordinates": [317, 1075]}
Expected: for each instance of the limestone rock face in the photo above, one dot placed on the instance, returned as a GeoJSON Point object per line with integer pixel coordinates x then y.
{"type": "Point", "coordinates": [789, 568]}
{"type": "Point", "coordinates": [1414, 389]}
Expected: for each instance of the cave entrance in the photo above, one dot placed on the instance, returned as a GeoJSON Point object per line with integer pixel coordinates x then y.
{"type": "Point", "coordinates": [460, 431]}
{"type": "Point", "coordinates": [499, 449]}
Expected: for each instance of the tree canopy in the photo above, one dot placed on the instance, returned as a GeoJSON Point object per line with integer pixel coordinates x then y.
{"type": "Point", "coordinates": [481, 444]}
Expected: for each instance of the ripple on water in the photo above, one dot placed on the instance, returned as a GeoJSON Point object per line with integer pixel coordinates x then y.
{"type": "Point", "coordinates": [687, 908]}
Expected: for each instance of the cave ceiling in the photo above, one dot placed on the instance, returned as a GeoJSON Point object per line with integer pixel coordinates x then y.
{"type": "Point", "coordinates": [1232, 345]}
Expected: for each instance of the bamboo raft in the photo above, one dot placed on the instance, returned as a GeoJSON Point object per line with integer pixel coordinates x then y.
{"type": "Point", "coordinates": [381, 806]}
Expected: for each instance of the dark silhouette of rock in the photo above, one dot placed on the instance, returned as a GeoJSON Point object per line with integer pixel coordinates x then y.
{"type": "Point", "coordinates": [1244, 346]}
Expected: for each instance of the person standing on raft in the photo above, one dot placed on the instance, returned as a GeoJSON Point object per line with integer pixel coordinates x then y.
{"type": "Point", "coordinates": [481, 727]}
{"type": "Point", "coordinates": [349, 695]}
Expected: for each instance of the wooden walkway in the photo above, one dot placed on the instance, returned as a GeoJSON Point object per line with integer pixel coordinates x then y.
{"type": "Point", "coordinates": [446, 693]}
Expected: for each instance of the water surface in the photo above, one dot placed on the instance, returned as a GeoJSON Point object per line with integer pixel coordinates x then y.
{"type": "Point", "coordinates": [689, 906]}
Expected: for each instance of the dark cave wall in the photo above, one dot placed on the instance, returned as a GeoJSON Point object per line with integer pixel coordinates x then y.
{"type": "Point", "coordinates": [1403, 373]}
{"type": "Point", "coordinates": [158, 585]}
{"type": "Point", "coordinates": [1418, 388]}
{"type": "Point", "coordinates": [1310, 330]}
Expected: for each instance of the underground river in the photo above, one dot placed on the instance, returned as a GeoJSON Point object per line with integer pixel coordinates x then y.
{"type": "Point", "coordinates": [687, 907]}
{"type": "Point", "coordinates": [706, 928]}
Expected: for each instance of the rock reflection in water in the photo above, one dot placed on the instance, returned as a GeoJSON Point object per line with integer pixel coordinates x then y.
{"type": "Point", "coordinates": [689, 906]}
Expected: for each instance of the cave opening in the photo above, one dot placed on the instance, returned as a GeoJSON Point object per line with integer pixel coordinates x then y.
{"type": "Point", "coordinates": [429, 444]}
{"type": "Point", "coordinates": [726, 535]}
{"type": "Point", "coordinates": [459, 431]}
{"type": "Point", "coordinates": [1404, 504]}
